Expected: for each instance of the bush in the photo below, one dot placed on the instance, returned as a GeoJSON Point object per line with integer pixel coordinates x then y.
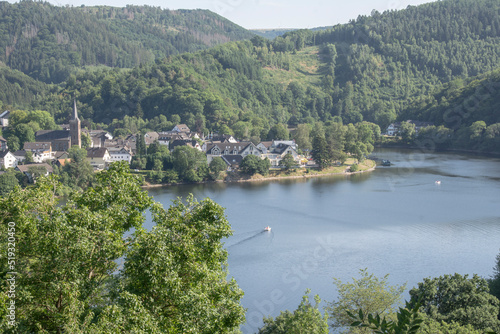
{"type": "Point", "coordinates": [354, 168]}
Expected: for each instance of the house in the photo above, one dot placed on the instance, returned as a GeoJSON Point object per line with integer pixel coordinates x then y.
{"type": "Point", "coordinates": [221, 149]}
{"type": "Point", "coordinates": [7, 159]}
{"type": "Point", "coordinates": [98, 138]}
{"type": "Point", "coordinates": [41, 151]}
{"type": "Point", "coordinates": [167, 137]}
{"type": "Point", "coordinates": [184, 142]}
{"type": "Point", "coordinates": [150, 137]}
{"type": "Point", "coordinates": [291, 143]}
{"type": "Point", "coordinates": [181, 128]}
{"type": "Point", "coordinates": [29, 169]}
{"type": "Point", "coordinates": [233, 161]}
{"type": "Point", "coordinates": [62, 162]}
{"type": "Point", "coordinates": [119, 154]}
{"type": "Point", "coordinates": [20, 156]}
{"type": "Point", "coordinates": [98, 157]}
{"type": "Point", "coordinates": [3, 144]}
{"type": "Point", "coordinates": [265, 146]}
{"type": "Point", "coordinates": [393, 128]}
{"type": "Point", "coordinates": [215, 137]}
{"type": "Point", "coordinates": [4, 118]}
{"type": "Point", "coordinates": [276, 153]}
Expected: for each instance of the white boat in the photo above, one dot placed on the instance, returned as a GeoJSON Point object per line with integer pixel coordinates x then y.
{"type": "Point", "coordinates": [438, 182]}
{"type": "Point", "coordinates": [267, 229]}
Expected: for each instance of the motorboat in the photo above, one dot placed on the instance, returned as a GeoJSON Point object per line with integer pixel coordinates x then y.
{"type": "Point", "coordinates": [437, 182]}
{"type": "Point", "coordinates": [386, 163]}
{"type": "Point", "coordinates": [268, 228]}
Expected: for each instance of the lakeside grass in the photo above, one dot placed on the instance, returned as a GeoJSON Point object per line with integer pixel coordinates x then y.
{"type": "Point", "coordinates": [276, 174]}
{"type": "Point", "coordinates": [303, 172]}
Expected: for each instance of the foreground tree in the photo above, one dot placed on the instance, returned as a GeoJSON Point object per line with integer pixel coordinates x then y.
{"type": "Point", "coordinates": [252, 164]}
{"type": "Point", "coordinates": [67, 258]}
{"type": "Point", "coordinates": [288, 162]}
{"type": "Point", "coordinates": [460, 299]}
{"type": "Point", "coordinates": [494, 281]}
{"type": "Point", "coordinates": [307, 318]}
{"type": "Point", "coordinates": [179, 269]}
{"type": "Point", "coordinates": [369, 293]}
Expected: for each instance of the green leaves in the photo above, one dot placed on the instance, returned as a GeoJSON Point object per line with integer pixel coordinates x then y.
{"type": "Point", "coordinates": [408, 321]}
{"type": "Point", "coordinates": [173, 280]}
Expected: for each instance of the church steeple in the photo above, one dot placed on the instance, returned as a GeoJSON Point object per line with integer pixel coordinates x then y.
{"type": "Point", "coordinates": [75, 128]}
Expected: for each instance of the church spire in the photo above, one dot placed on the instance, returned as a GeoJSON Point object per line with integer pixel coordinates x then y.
{"type": "Point", "coordinates": [75, 128]}
{"type": "Point", "coordinates": [75, 112]}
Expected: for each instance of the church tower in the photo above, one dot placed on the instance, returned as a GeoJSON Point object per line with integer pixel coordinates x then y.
{"type": "Point", "coordinates": [75, 128]}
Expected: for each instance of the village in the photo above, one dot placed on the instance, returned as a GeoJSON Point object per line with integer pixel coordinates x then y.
{"type": "Point", "coordinates": [50, 147]}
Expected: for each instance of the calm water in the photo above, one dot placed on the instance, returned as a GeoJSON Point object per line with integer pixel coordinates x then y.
{"type": "Point", "coordinates": [395, 220]}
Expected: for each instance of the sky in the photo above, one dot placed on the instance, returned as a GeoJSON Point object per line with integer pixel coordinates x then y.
{"type": "Point", "coordinates": [267, 14]}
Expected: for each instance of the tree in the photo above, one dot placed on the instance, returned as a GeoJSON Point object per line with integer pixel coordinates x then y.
{"type": "Point", "coordinates": [369, 293]}
{"type": "Point", "coordinates": [306, 318]}
{"type": "Point", "coordinates": [217, 165]}
{"type": "Point", "coordinates": [458, 298]}
{"type": "Point", "coordinates": [320, 152]}
{"type": "Point", "coordinates": [179, 269]}
{"type": "Point", "coordinates": [494, 281]}
{"type": "Point", "coordinates": [86, 141]}
{"type": "Point", "coordinates": [278, 132]}
{"type": "Point", "coordinates": [407, 132]}
{"type": "Point", "coordinates": [189, 163]}
{"type": "Point", "coordinates": [77, 172]}
{"type": "Point", "coordinates": [36, 171]}
{"type": "Point", "coordinates": [8, 181]}
{"type": "Point", "coordinates": [288, 162]}
{"type": "Point", "coordinates": [250, 164]}
{"type": "Point", "coordinates": [174, 279]}
{"type": "Point", "coordinates": [29, 157]}
{"type": "Point", "coordinates": [302, 137]}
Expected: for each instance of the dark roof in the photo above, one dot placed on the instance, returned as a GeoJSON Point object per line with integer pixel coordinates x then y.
{"type": "Point", "coordinates": [49, 135]}
{"type": "Point", "coordinates": [232, 159]}
{"type": "Point", "coordinates": [280, 148]}
{"type": "Point", "coordinates": [96, 152]}
{"type": "Point", "coordinates": [3, 153]}
{"type": "Point", "coordinates": [20, 153]}
{"type": "Point", "coordinates": [37, 146]}
{"type": "Point", "coordinates": [229, 146]}
{"type": "Point", "coordinates": [25, 168]}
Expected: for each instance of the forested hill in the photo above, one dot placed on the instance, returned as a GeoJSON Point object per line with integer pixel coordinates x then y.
{"type": "Point", "coordinates": [46, 41]}
{"type": "Point", "coordinates": [376, 68]}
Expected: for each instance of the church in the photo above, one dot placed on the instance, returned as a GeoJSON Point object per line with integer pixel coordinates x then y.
{"type": "Point", "coordinates": [62, 140]}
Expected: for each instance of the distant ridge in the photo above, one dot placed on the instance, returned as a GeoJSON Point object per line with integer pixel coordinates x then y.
{"type": "Point", "coordinates": [44, 41]}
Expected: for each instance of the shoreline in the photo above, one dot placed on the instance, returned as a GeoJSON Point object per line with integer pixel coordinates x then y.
{"type": "Point", "coordinates": [270, 178]}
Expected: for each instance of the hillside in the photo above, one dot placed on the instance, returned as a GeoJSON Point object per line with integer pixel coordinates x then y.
{"type": "Point", "coordinates": [376, 68]}
{"type": "Point", "coordinates": [46, 42]}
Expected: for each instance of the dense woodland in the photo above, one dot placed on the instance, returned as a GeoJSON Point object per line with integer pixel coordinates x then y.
{"type": "Point", "coordinates": [47, 42]}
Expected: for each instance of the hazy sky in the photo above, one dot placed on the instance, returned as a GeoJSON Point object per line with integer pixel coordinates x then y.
{"type": "Point", "coordinates": [255, 14]}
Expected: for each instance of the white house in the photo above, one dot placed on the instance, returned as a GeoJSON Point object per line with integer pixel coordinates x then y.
{"type": "Point", "coordinates": [119, 154]}
{"type": "Point", "coordinates": [4, 118]}
{"type": "Point", "coordinates": [7, 159]}
{"type": "Point", "coordinates": [98, 157]}
{"type": "Point", "coordinates": [221, 149]}
{"type": "Point", "coordinates": [41, 151]}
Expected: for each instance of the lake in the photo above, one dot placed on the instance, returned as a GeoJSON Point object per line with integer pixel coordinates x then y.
{"type": "Point", "coordinates": [395, 220]}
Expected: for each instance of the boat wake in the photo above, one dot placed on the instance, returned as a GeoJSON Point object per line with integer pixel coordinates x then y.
{"type": "Point", "coordinates": [244, 238]}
